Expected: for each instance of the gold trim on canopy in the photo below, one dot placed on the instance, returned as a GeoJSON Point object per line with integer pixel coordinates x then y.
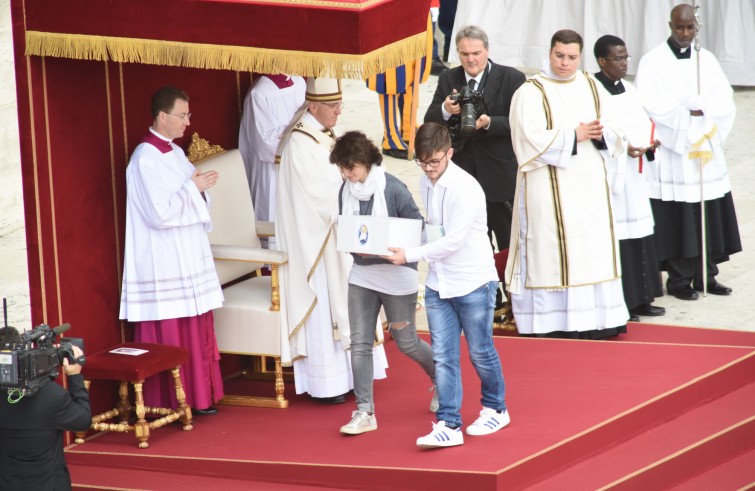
{"type": "Point", "coordinates": [214, 56]}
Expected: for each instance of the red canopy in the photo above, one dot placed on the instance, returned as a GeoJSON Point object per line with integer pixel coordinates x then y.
{"type": "Point", "coordinates": [85, 73]}
{"type": "Point", "coordinates": [335, 38]}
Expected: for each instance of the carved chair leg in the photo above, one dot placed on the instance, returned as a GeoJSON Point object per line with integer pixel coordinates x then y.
{"type": "Point", "coordinates": [124, 406]}
{"type": "Point", "coordinates": [141, 427]}
{"type": "Point", "coordinates": [183, 409]}
{"type": "Point", "coordinates": [279, 382]}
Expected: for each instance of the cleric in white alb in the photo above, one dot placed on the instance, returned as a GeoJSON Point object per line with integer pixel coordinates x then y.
{"type": "Point", "coordinates": [692, 127]}
{"type": "Point", "coordinates": [169, 282]}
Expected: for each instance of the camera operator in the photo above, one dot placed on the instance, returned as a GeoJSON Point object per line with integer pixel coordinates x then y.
{"type": "Point", "coordinates": [31, 429]}
{"type": "Point", "coordinates": [486, 153]}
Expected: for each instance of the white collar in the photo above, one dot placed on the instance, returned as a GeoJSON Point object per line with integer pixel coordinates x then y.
{"type": "Point", "coordinates": [548, 72]}
{"type": "Point", "coordinates": [478, 78]}
{"type": "Point", "coordinates": [159, 135]}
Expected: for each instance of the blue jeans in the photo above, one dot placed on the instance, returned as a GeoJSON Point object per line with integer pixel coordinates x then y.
{"type": "Point", "coordinates": [400, 310]}
{"type": "Point", "coordinates": [471, 314]}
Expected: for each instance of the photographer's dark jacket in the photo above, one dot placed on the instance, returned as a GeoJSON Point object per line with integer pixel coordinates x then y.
{"type": "Point", "coordinates": [488, 154]}
{"type": "Point", "coordinates": [31, 435]}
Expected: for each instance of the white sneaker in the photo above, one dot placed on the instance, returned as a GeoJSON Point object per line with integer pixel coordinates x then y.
{"type": "Point", "coordinates": [434, 404]}
{"type": "Point", "coordinates": [441, 437]}
{"type": "Point", "coordinates": [361, 422]}
{"type": "Point", "coordinates": [488, 422]}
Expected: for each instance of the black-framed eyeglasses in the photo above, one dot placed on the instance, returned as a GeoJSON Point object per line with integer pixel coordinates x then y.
{"type": "Point", "coordinates": [618, 58]}
{"type": "Point", "coordinates": [430, 163]}
{"type": "Point", "coordinates": [182, 116]}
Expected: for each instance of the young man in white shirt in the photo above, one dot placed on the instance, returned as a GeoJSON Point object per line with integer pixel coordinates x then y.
{"type": "Point", "coordinates": [459, 290]}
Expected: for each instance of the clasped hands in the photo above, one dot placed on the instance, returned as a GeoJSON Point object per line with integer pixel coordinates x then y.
{"type": "Point", "coordinates": [593, 129]}
{"type": "Point", "coordinates": [205, 180]}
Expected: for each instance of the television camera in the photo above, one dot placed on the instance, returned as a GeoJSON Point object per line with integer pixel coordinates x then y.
{"type": "Point", "coordinates": [28, 365]}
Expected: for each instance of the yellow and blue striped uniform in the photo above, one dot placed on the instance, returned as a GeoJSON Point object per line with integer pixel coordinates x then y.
{"type": "Point", "coordinates": [394, 88]}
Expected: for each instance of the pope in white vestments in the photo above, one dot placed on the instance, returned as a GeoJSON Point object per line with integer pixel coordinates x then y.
{"type": "Point", "coordinates": [563, 269]}
{"type": "Point", "coordinates": [314, 282]}
{"type": "Point", "coordinates": [268, 108]}
{"type": "Point", "coordinates": [169, 281]}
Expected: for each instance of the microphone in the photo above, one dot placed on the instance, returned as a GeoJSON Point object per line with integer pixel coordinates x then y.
{"type": "Point", "coordinates": [61, 328]}
{"type": "Point", "coordinates": [41, 332]}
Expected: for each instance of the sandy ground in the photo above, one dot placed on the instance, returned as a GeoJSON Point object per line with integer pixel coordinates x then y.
{"type": "Point", "coordinates": [362, 113]}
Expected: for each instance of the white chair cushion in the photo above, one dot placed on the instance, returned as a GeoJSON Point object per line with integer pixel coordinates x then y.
{"type": "Point", "coordinates": [236, 332]}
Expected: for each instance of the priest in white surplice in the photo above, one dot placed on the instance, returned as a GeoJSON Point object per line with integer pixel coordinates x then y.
{"type": "Point", "coordinates": [627, 175]}
{"type": "Point", "coordinates": [692, 128]}
{"type": "Point", "coordinates": [169, 282]}
{"type": "Point", "coordinates": [563, 269]}
{"type": "Point", "coordinates": [314, 282]}
{"type": "Point", "coordinates": [268, 108]}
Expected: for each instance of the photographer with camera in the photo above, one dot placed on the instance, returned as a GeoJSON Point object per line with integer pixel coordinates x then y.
{"type": "Point", "coordinates": [473, 100]}
{"type": "Point", "coordinates": [32, 426]}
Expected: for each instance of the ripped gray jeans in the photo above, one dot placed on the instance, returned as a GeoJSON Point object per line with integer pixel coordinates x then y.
{"type": "Point", "coordinates": [364, 308]}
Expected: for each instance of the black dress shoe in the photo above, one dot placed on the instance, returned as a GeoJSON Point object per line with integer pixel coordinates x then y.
{"type": "Point", "coordinates": [684, 293]}
{"type": "Point", "coordinates": [331, 400]}
{"type": "Point", "coordinates": [634, 318]}
{"type": "Point", "coordinates": [396, 154]}
{"type": "Point", "coordinates": [437, 67]}
{"type": "Point", "coordinates": [649, 310]}
{"type": "Point", "coordinates": [205, 412]}
{"type": "Point", "coordinates": [716, 289]}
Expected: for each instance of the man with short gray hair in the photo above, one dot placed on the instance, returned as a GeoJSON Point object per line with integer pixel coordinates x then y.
{"type": "Point", "coordinates": [486, 152]}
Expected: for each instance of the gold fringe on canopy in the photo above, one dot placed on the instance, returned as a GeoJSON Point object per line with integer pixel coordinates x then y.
{"type": "Point", "coordinates": [219, 57]}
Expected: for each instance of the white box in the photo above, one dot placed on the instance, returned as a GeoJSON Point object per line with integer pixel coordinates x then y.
{"type": "Point", "coordinates": [367, 234]}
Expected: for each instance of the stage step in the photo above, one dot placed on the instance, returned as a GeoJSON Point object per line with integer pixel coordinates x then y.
{"type": "Point", "coordinates": [700, 440]}
{"type": "Point", "coordinates": [737, 473]}
{"type": "Point", "coordinates": [88, 477]}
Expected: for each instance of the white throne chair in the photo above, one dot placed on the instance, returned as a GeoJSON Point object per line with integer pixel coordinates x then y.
{"type": "Point", "coordinates": [249, 321]}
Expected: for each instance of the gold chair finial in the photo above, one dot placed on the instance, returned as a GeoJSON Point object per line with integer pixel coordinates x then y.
{"type": "Point", "coordinates": [200, 149]}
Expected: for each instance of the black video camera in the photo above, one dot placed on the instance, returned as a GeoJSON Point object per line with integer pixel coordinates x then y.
{"type": "Point", "coordinates": [470, 102]}
{"type": "Point", "coordinates": [26, 366]}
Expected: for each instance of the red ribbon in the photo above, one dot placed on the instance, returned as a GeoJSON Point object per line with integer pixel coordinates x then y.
{"type": "Point", "coordinates": [652, 139]}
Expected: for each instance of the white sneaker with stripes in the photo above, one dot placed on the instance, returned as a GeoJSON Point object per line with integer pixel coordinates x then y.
{"type": "Point", "coordinates": [441, 437]}
{"type": "Point", "coordinates": [488, 422]}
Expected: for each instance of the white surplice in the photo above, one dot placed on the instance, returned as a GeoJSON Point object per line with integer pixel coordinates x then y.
{"type": "Point", "coordinates": [168, 267]}
{"type": "Point", "coordinates": [314, 282]}
{"type": "Point", "coordinates": [633, 216]}
{"type": "Point", "coordinates": [668, 88]}
{"type": "Point", "coordinates": [563, 269]}
{"type": "Point", "coordinates": [268, 109]}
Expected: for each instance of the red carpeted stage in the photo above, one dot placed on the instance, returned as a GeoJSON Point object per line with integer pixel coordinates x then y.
{"type": "Point", "coordinates": [659, 407]}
